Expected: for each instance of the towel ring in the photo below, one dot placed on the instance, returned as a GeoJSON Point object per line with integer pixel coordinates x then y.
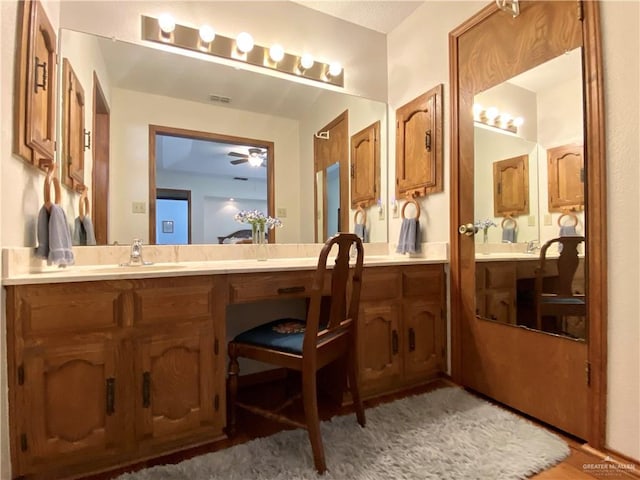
{"type": "Point", "coordinates": [511, 219]}
{"type": "Point", "coordinates": [51, 178]}
{"type": "Point", "coordinates": [417, 205]}
{"type": "Point", "coordinates": [83, 203]}
{"type": "Point", "coordinates": [570, 215]}
{"type": "Point", "coordinates": [364, 215]}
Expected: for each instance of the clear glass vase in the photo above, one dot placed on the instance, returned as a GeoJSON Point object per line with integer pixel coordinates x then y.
{"type": "Point", "coordinates": [259, 240]}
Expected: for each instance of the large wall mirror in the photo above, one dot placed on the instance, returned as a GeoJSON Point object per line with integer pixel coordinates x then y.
{"type": "Point", "coordinates": [144, 87]}
{"type": "Point", "coordinates": [548, 100]}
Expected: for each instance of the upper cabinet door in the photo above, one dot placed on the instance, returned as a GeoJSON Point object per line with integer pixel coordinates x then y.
{"type": "Point", "coordinates": [365, 166]}
{"type": "Point", "coordinates": [419, 145]}
{"type": "Point", "coordinates": [511, 186]}
{"type": "Point", "coordinates": [566, 178]}
{"type": "Point", "coordinates": [41, 69]}
{"type": "Point", "coordinates": [73, 127]}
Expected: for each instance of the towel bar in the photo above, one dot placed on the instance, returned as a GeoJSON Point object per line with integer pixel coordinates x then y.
{"type": "Point", "coordinates": [415, 203]}
{"type": "Point", "coordinates": [362, 211]}
{"type": "Point", "coordinates": [48, 179]}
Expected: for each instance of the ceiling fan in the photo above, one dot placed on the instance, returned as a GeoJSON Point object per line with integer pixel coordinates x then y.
{"type": "Point", "coordinates": [256, 157]}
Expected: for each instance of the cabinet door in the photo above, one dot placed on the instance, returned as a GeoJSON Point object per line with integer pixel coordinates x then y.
{"type": "Point", "coordinates": [41, 91]}
{"type": "Point", "coordinates": [379, 344]}
{"type": "Point", "coordinates": [424, 342]}
{"type": "Point", "coordinates": [500, 306]}
{"type": "Point", "coordinates": [174, 394]}
{"type": "Point", "coordinates": [566, 178]}
{"type": "Point", "coordinates": [72, 402]}
{"type": "Point", "coordinates": [72, 126]}
{"type": "Point", "coordinates": [419, 145]}
{"type": "Point", "coordinates": [511, 186]}
{"type": "Point", "coordinates": [365, 166]}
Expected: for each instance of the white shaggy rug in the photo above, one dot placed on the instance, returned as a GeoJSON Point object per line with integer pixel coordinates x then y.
{"type": "Point", "coordinates": [444, 434]}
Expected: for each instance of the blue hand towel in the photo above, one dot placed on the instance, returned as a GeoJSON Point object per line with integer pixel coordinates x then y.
{"type": "Point", "coordinates": [566, 231]}
{"type": "Point", "coordinates": [409, 241]}
{"type": "Point", "coordinates": [42, 250]}
{"type": "Point", "coordinates": [60, 252]}
{"type": "Point", "coordinates": [361, 231]}
{"type": "Point", "coordinates": [79, 234]}
{"type": "Point", "coordinates": [509, 235]}
{"type": "Point", "coordinates": [88, 228]}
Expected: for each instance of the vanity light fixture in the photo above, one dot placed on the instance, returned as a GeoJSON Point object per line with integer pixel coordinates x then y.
{"type": "Point", "coordinates": [164, 30]}
{"type": "Point", "coordinates": [492, 117]}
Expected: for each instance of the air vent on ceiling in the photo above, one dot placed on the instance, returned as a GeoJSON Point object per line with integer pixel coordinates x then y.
{"type": "Point", "coordinates": [219, 98]}
{"type": "Point", "coordinates": [244, 179]}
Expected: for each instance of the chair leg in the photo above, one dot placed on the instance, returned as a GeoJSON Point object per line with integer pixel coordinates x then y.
{"type": "Point", "coordinates": [354, 386]}
{"type": "Point", "coordinates": [310, 401]}
{"type": "Point", "coordinates": [232, 389]}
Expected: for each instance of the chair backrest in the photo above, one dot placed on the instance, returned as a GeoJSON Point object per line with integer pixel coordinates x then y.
{"type": "Point", "coordinates": [567, 263]}
{"type": "Point", "coordinates": [346, 283]}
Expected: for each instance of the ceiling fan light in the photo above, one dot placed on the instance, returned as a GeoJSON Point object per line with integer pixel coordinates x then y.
{"type": "Point", "coordinates": [255, 160]}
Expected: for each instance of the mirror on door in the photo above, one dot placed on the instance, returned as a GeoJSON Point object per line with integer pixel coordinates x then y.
{"type": "Point", "coordinates": [529, 190]}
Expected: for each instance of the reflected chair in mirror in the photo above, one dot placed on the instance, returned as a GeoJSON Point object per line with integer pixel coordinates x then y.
{"type": "Point", "coordinates": [557, 295]}
{"type": "Point", "coordinates": [327, 334]}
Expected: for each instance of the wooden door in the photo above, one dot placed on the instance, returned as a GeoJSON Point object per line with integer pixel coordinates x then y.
{"type": "Point", "coordinates": [74, 402]}
{"type": "Point", "coordinates": [543, 375]}
{"type": "Point", "coordinates": [100, 175]}
{"type": "Point", "coordinates": [175, 394]}
{"type": "Point", "coordinates": [379, 345]}
{"type": "Point", "coordinates": [424, 334]}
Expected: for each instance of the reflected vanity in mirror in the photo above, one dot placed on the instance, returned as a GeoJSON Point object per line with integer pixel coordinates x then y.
{"type": "Point", "coordinates": [150, 86]}
{"type": "Point", "coordinates": [529, 187]}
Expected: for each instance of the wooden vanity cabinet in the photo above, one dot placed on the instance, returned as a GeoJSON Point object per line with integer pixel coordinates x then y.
{"type": "Point", "coordinates": [110, 372]}
{"type": "Point", "coordinates": [496, 291]}
{"type": "Point", "coordinates": [401, 327]}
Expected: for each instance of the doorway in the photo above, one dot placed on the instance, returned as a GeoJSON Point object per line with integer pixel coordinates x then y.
{"type": "Point", "coordinates": [100, 175]}
{"type": "Point", "coordinates": [223, 174]}
{"type": "Point", "coordinates": [173, 216]}
{"type": "Point", "coordinates": [554, 378]}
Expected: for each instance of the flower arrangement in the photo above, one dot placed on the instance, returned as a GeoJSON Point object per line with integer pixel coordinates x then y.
{"type": "Point", "coordinates": [257, 219]}
{"type": "Point", "coordinates": [484, 226]}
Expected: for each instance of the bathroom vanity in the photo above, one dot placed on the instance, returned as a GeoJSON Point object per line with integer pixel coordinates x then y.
{"type": "Point", "coordinates": [112, 366]}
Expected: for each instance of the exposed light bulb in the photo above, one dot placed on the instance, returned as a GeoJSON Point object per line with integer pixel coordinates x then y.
{"type": "Point", "coordinates": [491, 113]}
{"type": "Point", "coordinates": [335, 68]}
{"type": "Point", "coordinates": [505, 118]}
{"type": "Point", "coordinates": [518, 121]}
{"type": "Point", "coordinates": [244, 42]}
{"type": "Point", "coordinates": [207, 33]}
{"type": "Point", "coordinates": [276, 52]}
{"type": "Point", "coordinates": [306, 61]}
{"type": "Point", "coordinates": [167, 23]}
{"type": "Point", "coordinates": [255, 160]}
{"type": "Point", "coordinates": [477, 111]}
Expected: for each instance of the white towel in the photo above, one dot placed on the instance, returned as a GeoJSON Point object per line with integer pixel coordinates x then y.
{"type": "Point", "coordinates": [409, 241]}
{"type": "Point", "coordinates": [60, 252]}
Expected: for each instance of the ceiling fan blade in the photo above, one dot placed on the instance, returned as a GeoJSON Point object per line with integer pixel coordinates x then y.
{"type": "Point", "coordinates": [236, 154]}
{"type": "Point", "coordinates": [239, 161]}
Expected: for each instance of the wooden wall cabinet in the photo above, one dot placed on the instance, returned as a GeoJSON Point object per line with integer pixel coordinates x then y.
{"type": "Point", "coordinates": [496, 291]}
{"type": "Point", "coordinates": [401, 327]}
{"type": "Point", "coordinates": [73, 131]}
{"type": "Point", "coordinates": [419, 140]}
{"type": "Point", "coordinates": [35, 86]}
{"type": "Point", "coordinates": [565, 165]}
{"type": "Point", "coordinates": [511, 186]}
{"type": "Point", "coordinates": [106, 373]}
{"type": "Point", "coordinates": [365, 166]}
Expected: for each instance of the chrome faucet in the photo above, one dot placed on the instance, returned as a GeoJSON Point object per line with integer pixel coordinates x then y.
{"type": "Point", "coordinates": [532, 246]}
{"type": "Point", "coordinates": [136, 253]}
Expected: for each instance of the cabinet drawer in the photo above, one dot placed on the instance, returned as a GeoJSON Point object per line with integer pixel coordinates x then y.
{"type": "Point", "coordinates": [269, 286]}
{"type": "Point", "coordinates": [425, 281]}
{"type": "Point", "coordinates": [69, 307]}
{"type": "Point", "coordinates": [380, 284]}
{"type": "Point", "coordinates": [172, 304]}
{"type": "Point", "coordinates": [500, 275]}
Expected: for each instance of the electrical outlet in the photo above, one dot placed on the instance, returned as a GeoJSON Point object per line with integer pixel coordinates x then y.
{"type": "Point", "coordinates": [282, 212]}
{"type": "Point", "coordinates": [532, 220]}
{"type": "Point", "coordinates": [138, 207]}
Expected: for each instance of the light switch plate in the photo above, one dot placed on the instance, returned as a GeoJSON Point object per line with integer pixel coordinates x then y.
{"type": "Point", "coordinates": [532, 220]}
{"type": "Point", "coordinates": [282, 212]}
{"type": "Point", "coordinates": [138, 207]}
{"type": "Point", "coordinates": [547, 219]}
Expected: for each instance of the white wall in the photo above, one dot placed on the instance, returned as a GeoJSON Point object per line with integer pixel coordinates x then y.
{"type": "Point", "coordinates": [621, 56]}
{"type": "Point", "coordinates": [131, 115]}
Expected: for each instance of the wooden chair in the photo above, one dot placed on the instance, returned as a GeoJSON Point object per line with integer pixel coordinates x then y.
{"type": "Point", "coordinates": [559, 301]}
{"type": "Point", "coordinates": [328, 334]}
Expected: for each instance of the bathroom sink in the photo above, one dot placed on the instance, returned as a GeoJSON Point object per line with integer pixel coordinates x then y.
{"type": "Point", "coordinates": [156, 267]}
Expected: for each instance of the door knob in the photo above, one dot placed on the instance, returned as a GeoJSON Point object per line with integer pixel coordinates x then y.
{"type": "Point", "coordinates": [468, 229]}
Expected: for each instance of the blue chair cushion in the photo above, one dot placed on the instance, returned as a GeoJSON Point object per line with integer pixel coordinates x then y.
{"type": "Point", "coordinates": [563, 301]}
{"type": "Point", "coordinates": [284, 334]}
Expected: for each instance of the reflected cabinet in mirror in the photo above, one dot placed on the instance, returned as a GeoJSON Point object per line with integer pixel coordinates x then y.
{"type": "Point", "coordinates": [226, 139]}
{"type": "Point", "coordinates": [529, 189]}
